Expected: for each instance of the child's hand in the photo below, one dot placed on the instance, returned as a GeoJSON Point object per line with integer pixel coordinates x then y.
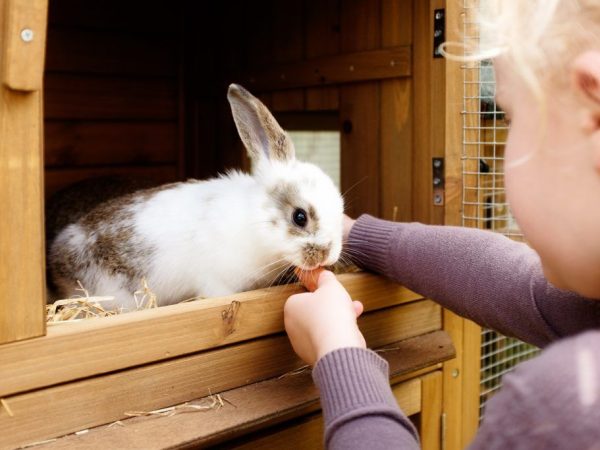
{"type": "Point", "coordinates": [323, 320]}
{"type": "Point", "coordinates": [346, 227]}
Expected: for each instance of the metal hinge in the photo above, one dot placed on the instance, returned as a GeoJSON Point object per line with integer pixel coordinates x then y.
{"type": "Point", "coordinates": [439, 31]}
{"type": "Point", "coordinates": [438, 181]}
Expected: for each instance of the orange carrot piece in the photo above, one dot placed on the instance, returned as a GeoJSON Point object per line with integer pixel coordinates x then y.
{"type": "Point", "coordinates": [309, 278]}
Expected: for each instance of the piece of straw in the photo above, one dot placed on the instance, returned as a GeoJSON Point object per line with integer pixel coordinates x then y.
{"type": "Point", "coordinates": [294, 372]}
{"type": "Point", "coordinates": [148, 298]}
{"type": "Point", "coordinates": [215, 402]}
{"type": "Point", "coordinates": [84, 306]}
{"type": "Point", "coordinates": [6, 407]}
{"type": "Point", "coordinates": [34, 444]}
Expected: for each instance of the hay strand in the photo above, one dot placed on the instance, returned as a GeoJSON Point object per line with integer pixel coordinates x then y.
{"type": "Point", "coordinates": [78, 308]}
{"type": "Point", "coordinates": [294, 372]}
{"type": "Point", "coordinates": [6, 407]}
{"type": "Point", "coordinates": [81, 307]}
{"type": "Point", "coordinates": [211, 403]}
{"type": "Point", "coordinates": [35, 444]}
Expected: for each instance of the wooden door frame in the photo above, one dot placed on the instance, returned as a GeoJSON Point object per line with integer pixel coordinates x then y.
{"type": "Point", "coordinates": [22, 250]}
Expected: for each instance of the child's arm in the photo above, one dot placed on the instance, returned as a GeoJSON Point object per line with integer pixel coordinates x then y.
{"type": "Point", "coordinates": [358, 405]}
{"type": "Point", "coordinates": [480, 275]}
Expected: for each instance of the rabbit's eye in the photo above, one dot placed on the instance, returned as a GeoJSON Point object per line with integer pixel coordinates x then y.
{"type": "Point", "coordinates": [300, 218]}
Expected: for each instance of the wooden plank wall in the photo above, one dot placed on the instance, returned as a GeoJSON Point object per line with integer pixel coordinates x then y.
{"type": "Point", "coordinates": [111, 91]}
{"type": "Point", "coordinates": [387, 142]}
{"type": "Point", "coordinates": [142, 90]}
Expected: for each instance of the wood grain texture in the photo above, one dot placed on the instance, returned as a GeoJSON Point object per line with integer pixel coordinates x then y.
{"type": "Point", "coordinates": [23, 60]}
{"type": "Point", "coordinates": [109, 98]}
{"type": "Point", "coordinates": [22, 281]}
{"type": "Point", "coordinates": [323, 98]}
{"type": "Point", "coordinates": [360, 25]}
{"type": "Point", "coordinates": [76, 143]}
{"type": "Point", "coordinates": [343, 68]}
{"type": "Point", "coordinates": [431, 412]}
{"type": "Point", "coordinates": [288, 100]}
{"type": "Point", "coordinates": [262, 412]}
{"type": "Point", "coordinates": [454, 121]}
{"type": "Point", "coordinates": [360, 145]}
{"type": "Point", "coordinates": [471, 380]}
{"type": "Point", "coordinates": [76, 350]}
{"type": "Point", "coordinates": [307, 432]}
{"type": "Point", "coordinates": [77, 51]}
{"type": "Point", "coordinates": [396, 119]}
{"type": "Point", "coordinates": [102, 399]}
{"type": "Point", "coordinates": [59, 178]}
{"type": "Point", "coordinates": [322, 38]}
{"type": "Point", "coordinates": [429, 111]}
{"type": "Point", "coordinates": [461, 393]}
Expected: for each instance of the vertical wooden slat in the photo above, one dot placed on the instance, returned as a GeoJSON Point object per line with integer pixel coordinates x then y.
{"type": "Point", "coordinates": [288, 47]}
{"type": "Point", "coordinates": [429, 113]}
{"type": "Point", "coordinates": [396, 118]}
{"type": "Point", "coordinates": [360, 25]}
{"type": "Point", "coordinates": [431, 412]}
{"type": "Point", "coordinates": [322, 38]}
{"type": "Point", "coordinates": [22, 283]}
{"type": "Point", "coordinates": [471, 381]}
{"type": "Point", "coordinates": [461, 392]}
{"type": "Point", "coordinates": [24, 44]}
{"type": "Point", "coordinates": [359, 112]}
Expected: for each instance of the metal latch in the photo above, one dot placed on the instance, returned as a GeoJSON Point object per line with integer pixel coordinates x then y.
{"type": "Point", "coordinates": [438, 181]}
{"type": "Point", "coordinates": [439, 31]}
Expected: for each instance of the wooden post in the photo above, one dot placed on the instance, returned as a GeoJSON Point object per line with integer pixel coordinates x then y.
{"type": "Point", "coordinates": [431, 412]}
{"type": "Point", "coordinates": [22, 283]}
{"type": "Point", "coordinates": [461, 375]}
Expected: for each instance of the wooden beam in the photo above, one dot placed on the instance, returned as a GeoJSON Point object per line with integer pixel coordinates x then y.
{"type": "Point", "coordinates": [24, 44]}
{"type": "Point", "coordinates": [345, 68]}
{"type": "Point", "coordinates": [461, 375]}
{"type": "Point", "coordinates": [22, 280]}
{"type": "Point", "coordinates": [76, 350]}
{"type": "Point", "coordinates": [431, 413]}
{"type": "Point", "coordinates": [106, 398]}
{"type": "Point", "coordinates": [264, 404]}
{"type": "Point", "coordinates": [396, 119]}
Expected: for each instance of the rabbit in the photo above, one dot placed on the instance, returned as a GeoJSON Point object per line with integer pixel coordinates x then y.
{"type": "Point", "coordinates": [209, 238]}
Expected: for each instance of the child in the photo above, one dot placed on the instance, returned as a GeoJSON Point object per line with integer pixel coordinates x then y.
{"type": "Point", "coordinates": [547, 62]}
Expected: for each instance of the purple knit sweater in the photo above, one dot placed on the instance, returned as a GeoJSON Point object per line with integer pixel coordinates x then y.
{"type": "Point", "coordinates": [549, 402]}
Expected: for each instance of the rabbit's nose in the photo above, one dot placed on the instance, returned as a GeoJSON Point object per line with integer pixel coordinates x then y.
{"type": "Point", "coordinates": [315, 254]}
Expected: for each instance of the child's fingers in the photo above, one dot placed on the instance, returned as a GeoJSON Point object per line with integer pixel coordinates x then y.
{"type": "Point", "coordinates": [358, 307]}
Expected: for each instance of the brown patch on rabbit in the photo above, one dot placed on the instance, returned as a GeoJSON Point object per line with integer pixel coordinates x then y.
{"type": "Point", "coordinates": [287, 197]}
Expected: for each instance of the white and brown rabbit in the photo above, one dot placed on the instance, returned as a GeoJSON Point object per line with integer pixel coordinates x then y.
{"type": "Point", "coordinates": [207, 238]}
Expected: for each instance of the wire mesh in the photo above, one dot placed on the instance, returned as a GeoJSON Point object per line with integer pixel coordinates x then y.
{"type": "Point", "coordinates": [484, 204]}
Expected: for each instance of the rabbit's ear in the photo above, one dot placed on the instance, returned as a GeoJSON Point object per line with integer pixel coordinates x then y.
{"type": "Point", "coordinates": [260, 132]}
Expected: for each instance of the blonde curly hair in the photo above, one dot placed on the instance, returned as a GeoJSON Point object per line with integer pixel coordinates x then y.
{"type": "Point", "coordinates": [539, 38]}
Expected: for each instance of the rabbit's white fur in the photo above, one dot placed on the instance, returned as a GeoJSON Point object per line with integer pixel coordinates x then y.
{"type": "Point", "coordinates": [207, 238]}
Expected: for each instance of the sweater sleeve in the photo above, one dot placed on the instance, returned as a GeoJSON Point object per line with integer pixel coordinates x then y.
{"type": "Point", "coordinates": [359, 408]}
{"type": "Point", "coordinates": [477, 274]}
{"type": "Point", "coordinates": [549, 402]}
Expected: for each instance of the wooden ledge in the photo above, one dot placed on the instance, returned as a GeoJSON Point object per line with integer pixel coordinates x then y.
{"type": "Point", "coordinates": [253, 407]}
{"type": "Point", "coordinates": [71, 351]}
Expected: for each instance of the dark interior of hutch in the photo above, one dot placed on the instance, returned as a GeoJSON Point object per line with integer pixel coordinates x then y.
{"type": "Point", "coordinates": [139, 88]}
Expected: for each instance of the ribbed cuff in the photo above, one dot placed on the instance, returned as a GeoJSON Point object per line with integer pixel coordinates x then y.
{"type": "Point", "coordinates": [369, 243]}
{"type": "Point", "coordinates": [350, 378]}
